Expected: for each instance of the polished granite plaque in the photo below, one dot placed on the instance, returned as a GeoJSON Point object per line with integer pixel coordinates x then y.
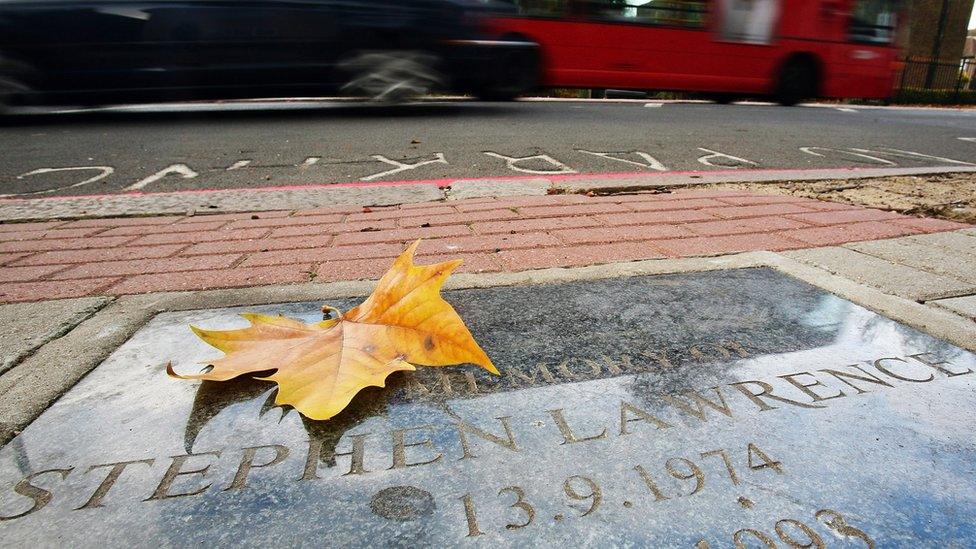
{"type": "Point", "coordinates": [699, 410]}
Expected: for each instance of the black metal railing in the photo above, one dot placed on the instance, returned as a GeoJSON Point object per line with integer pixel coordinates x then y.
{"type": "Point", "coordinates": [937, 75]}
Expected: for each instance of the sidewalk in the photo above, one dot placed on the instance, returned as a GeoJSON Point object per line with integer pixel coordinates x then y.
{"type": "Point", "coordinates": [119, 256]}
{"type": "Point", "coordinates": [73, 291]}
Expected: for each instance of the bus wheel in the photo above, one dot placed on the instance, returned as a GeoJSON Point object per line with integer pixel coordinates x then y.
{"type": "Point", "coordinates": [723, 98]}
{"type": "Point", "coordinates": [519, 74]}
{"type": "Point", "coordinates": [797, 82]}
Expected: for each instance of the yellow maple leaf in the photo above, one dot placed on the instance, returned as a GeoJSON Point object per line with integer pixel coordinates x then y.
{"type": "Point", "coordinates": [320, 367]}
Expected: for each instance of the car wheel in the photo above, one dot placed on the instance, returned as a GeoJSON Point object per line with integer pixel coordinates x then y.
{"type": "Point", "coordinates": [8, 89]}
{"type": "Point", "coordinates": [391, 76]}
{"type": "Point", "coordinates": [9, 86]}
{"type": "Point", "coordinates": [797, 82]}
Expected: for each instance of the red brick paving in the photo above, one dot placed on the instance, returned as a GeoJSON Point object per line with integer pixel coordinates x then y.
{"type": "Point", "coordinates": [544, 224]}
{"type": "Point", "coordinates": [927, 225]}
{"type": "Point", "coordinates": [335, 228]}
{"type": "Point", "coordinates": [577, 256]}
{"type": "Point", "coordinates": [123, 222]}
{"type": "Point", "coordinates": [39, 226]}
{"type": "Point", "coordinates": [115, 256]}
{"type": "Point", "coordinates": [41, 244]}
{"type": "Point", "coordinates": [610, 235]}
{"type": "Point", "coordinates": [401, 235]}
{"type": "Point", "coordinates": [51, 233]}
{"type": "Point", "coordinates": [140, 230]}
{"type": "Point", "coordinates": [647, 218]}
{"type": "Point", "coordinates": [58, 289]}
{"type": "Point", "coordinates": [841, 234]}
{"type": "Point", "coordinates": [91, 256]}
{"type": "Point", "coordinates": [690, 204]}
{"type": "Point", "coordinates": [742, 226]}
{"type": "Point", "coordinates": [276, 222]}
{"type": "Point", "coordinates": [11, 257]}
{"type": "Point", "coordinates": [33, 272]}
{"type": "Point", "coordinates": [218, 278]}
{"type": "Point", "coordinates": [717, 245]}
{"type": "Point", "coordinates": [458, 218]}
{"type": "Point", "coordinates": [139, 266]}
{"type": "Point", "coordinates": [848, 216]}
{"type": "Point", "coordinates": [737, 212]}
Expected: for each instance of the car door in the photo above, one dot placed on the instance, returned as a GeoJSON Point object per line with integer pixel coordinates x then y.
{"type": "Point", "coordinates": [80, 46]}
{"type": "Point", "coordinates": [243, 43]}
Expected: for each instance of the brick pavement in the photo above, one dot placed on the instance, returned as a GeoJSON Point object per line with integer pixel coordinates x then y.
{"type": "Point", "coordinates": [115, 256]}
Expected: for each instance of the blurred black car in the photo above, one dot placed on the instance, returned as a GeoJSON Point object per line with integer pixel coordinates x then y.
{"type": "Point", "coordinates": [114, 51]}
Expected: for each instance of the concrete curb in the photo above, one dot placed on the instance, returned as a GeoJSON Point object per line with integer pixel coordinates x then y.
{"type": "Point", "coordinates": [409, 192]}
{"type": "Point", "coordinates": [37, 381]}
{"type": "Point", "coordinates": [691, 179]}
{"type": "Point", "coordinates": [25, 327]}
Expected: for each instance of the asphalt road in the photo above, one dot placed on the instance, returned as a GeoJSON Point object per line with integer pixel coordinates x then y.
{"type": "Point", "coordinates": [157, 149]}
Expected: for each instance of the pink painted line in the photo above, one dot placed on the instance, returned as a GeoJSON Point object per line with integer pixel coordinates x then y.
{"type": "Point", "coordinates": [441, 183]}
{"type": "Point", "coordinates": [314, 186]}
{"type": "Point", "coordinates": [625, 175]}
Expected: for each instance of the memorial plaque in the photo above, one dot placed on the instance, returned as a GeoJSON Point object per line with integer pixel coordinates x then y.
{"type": "Point", "coordinates": [696, 410]}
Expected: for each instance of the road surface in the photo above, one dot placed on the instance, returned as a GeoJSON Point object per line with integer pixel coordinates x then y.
{"type": "Point", "coordinates": [295, 143]}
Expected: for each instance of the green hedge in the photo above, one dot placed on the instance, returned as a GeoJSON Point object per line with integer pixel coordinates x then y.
{"type": "Point", "coordinates": [936, 97]}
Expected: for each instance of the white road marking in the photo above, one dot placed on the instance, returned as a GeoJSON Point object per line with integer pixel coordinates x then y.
{"type": "Point", "coordinates": [911, 154]}
{"type": "Point", "coordinates": [510, 162]}
{"type": "Point", "coordinates": [649, 161]}
{"type": "Point", "coordinates": [181, 170]}
{"type": "Point", "coordinates": [715, 154]}
{"type": "Point", "coordinates": [550, 166]}
{"type": "Point", "coordinates": [400, 166]}
{"type": "Point", "coordinates": [845, 109]}
{"type": "Point", "coordinates": [105, 172]}
{"type": "Point", "coordinates": [810, 150]}
{"type": "Point", "coordinates": [654, 105]}
{"type": "Point", "coordinates": [238, 165]}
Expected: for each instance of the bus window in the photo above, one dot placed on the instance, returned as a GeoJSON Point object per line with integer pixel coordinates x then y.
{"type": "Point", "coordinates": [749, 21]}
{"type": "Point", "coordinates": [874, 21]}
{"type": "Point", "coordinates": [676, 13]}
{"type": "Point", "coordinates": [544, 8]}
{"type": "Point", "coordinates": [679, 13]}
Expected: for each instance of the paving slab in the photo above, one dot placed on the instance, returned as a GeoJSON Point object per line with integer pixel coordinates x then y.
{"type": "Point", "coordinates": [924, 256]}
{"type": "Point", "coordinates": [963, 242]}
{"type": "Point", "coordinates": [25, 327]}
{"type": "Point", "coordinates": [965, 306]}
{"type": "Point", "coordinates": [460, 190]}
{"type": "Point", "coordinates": [892, 278]}
{"type": "Point", "coordinates": [677, 410]}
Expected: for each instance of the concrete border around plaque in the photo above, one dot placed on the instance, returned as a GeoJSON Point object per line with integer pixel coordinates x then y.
{"type": "Point", "coordinates": [697, 409]}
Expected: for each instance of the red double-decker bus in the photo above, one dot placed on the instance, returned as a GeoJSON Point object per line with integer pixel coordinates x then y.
{"type": "Point", "coordinates": [788, 49]}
